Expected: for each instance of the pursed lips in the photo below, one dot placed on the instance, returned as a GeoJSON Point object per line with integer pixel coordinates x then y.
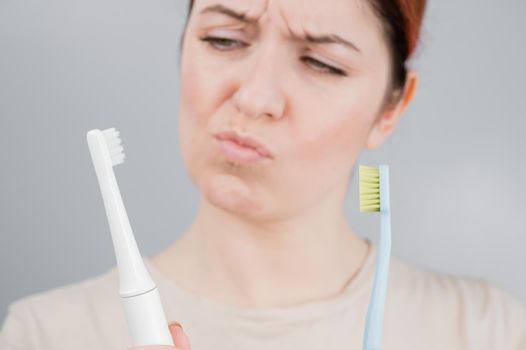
{"type": "Point", "coordinates": [242, 148]}
{"type": "Point", "coordinates": [244, 142]}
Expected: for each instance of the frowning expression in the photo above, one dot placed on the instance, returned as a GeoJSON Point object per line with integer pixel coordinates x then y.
{"type": "Point", "coordinates": [304, 78]}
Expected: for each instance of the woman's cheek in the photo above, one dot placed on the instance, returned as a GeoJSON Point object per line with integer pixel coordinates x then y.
{"type": "Point", "coordinates": [329, 135]}
{"type": "Point", "coordinates": [193, 117]}
{"type": "Point", "coordinates": [326, 153]}
{"type": "Point", "coordinates": [193, 90]}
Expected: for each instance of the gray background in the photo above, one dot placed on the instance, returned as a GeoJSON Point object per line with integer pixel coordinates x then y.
{"type": "Point", "coordinates": [67, 66]}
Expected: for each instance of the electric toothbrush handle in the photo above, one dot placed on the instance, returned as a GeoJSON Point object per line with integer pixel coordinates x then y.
{"type": "Point", "coordinates": [146, 319]}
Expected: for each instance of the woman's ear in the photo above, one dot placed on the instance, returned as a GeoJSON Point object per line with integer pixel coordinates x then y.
{"type": "Point", "coordinates": [384, 125]}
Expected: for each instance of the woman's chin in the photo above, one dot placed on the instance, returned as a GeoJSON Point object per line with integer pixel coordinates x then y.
{"type": "Point", "coordinates": [230, 193]}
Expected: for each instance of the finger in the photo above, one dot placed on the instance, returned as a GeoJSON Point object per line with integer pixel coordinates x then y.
{"type": "Point", "coordinates": [178, 335]}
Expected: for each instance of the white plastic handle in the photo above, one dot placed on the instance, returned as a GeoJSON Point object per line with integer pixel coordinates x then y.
{"type": "Point", "coordinates": [146, 319]}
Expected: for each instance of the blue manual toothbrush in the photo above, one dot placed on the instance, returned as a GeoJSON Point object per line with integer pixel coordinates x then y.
{"type": "Point", "coordinates": [374, 197]}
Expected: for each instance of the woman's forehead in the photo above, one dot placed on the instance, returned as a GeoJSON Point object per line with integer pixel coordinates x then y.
{"type": "Point", "coordinates": [351, 20]}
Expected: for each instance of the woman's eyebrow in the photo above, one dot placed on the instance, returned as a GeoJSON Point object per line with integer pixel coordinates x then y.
{"type": "Point", "coordinates": [218, 8]}
{"type": "Point", "coordinates": [311, 38]}
{"type": "Point", "coordinates": [330, 39]}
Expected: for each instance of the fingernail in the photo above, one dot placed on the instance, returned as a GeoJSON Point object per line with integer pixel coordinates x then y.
{"type": "Point", "coordinates": [175, 323]}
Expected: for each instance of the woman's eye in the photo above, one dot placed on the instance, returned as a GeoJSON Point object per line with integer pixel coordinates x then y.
{"type": "Point", "coordinates": [226, 44]}
{"type": "Point", "coordinates": [323, 68]}
{"type": "Point", "coordinates": [222, 44]}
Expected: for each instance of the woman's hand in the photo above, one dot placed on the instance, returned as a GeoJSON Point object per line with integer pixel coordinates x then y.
{"type": "Point", "coordinates": [179, 337]}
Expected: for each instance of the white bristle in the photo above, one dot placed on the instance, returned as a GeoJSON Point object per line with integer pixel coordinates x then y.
{"type": "Point", "coordinates": [115, 148]}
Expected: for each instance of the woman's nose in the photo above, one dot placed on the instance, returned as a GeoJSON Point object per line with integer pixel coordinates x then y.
{"type": "Point", "coordinates": [260, 91]}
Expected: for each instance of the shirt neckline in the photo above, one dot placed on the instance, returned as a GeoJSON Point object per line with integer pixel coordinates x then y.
{"type": "Point", "coordinates": [357, 288]}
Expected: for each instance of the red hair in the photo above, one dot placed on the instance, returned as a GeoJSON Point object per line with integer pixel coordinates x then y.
{"type": "Point", "coordinates": [413, 12]}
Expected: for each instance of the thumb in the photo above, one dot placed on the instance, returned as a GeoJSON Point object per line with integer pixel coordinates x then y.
{"type": "Point", "coordinates": [179, 337]}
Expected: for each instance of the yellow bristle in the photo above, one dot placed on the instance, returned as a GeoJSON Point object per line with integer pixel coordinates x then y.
{"type": "Point", "coordinates": [369, 188]}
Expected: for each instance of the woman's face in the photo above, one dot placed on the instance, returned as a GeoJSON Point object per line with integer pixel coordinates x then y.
{"type": "Point", "coordinates": [312, 104]}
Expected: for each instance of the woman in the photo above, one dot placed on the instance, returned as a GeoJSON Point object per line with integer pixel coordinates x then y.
{"type": "Point", "coordinates": [270, 261]}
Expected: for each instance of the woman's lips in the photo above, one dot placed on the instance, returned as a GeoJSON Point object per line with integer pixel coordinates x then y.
{"type": "Point", "coordinates": [241, 149]}
{"type": "Point", "coordinates": [238, 153]}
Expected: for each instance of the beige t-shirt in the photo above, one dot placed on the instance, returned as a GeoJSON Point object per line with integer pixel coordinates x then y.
{"type": "Point", "coordinates": [424, 310]}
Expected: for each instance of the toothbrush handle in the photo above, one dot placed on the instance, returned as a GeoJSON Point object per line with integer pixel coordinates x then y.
{"type": "Point", "coordinates": [375, 314]}
{"type": "Point", "coordinates": [146, 319]}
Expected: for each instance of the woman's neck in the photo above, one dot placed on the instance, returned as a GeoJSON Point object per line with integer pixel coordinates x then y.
{"type": "Point", "coordinates": [234, 262]}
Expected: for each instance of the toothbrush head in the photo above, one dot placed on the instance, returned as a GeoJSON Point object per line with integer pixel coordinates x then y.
{"type": "Point", "coordinates": [369, 188]}
{"type": "Point", "coordinates": [115, 149]}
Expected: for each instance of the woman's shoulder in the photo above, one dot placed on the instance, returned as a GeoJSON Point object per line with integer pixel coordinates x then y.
{"type": "Point", "coordinates": [406, 276]}
{"type": "Point", "coordinates": [64, 314]}
{"type": "Point", "coordinates": [83, 293]}
{"type": "Point", "coordinates": [481, 310]}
